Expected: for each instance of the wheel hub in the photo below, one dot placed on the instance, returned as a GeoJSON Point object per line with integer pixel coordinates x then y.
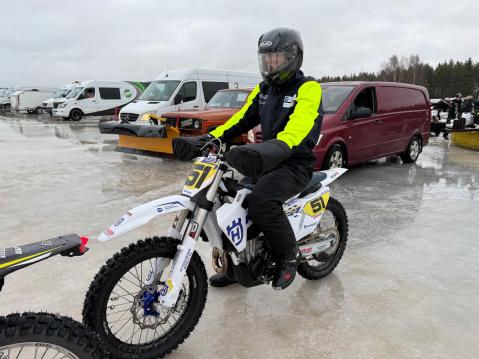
{"type": "Point", "coordinates": [147, 300]}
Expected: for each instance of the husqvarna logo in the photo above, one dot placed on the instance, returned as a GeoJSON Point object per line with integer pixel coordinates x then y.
{"type": "Point", "coordinates": [265, 44]}
{"type": "Point", "coordinates": [235, 231]}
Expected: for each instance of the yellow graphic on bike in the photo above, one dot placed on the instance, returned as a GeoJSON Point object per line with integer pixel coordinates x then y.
{"type": "Point", "coordinates": [317, 205]}
{"type": "Point", "coordinates": [201, 176]}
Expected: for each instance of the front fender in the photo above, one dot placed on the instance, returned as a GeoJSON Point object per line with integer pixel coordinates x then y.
{"type": "Point", "coordinates": [140, 215]}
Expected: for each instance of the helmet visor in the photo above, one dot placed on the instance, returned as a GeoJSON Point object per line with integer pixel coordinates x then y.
{"type": "Point", "coordinates": [270, 63]}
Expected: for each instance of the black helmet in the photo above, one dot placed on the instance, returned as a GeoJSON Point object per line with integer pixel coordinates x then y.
{"type": "Point", "coordinates": [280, 54]}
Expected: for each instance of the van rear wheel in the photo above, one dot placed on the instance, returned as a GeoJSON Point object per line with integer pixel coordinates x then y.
{"type": "Point", "coordinates": [76, 115]}
{"type": "Point", "coordinates": [412, 151]}
{"type": "Point", "coordinates": [335, 158]}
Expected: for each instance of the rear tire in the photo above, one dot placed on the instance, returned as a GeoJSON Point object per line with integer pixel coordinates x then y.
{"type": "Point", "coordinates": [327, 262]}
{"type": "Point", "coordinates": [22, 334]}
{"type": "Point", "coordinates": [76, 115]}
{"type": "Point", "coordinates": [335, 158]}
{"type": "Point", "coordinates": [101, 297]}
{"type": "Point", "coordinates": [412, 151]}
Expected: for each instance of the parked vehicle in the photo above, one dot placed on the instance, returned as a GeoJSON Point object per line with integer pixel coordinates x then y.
{"type": "Point", "coordinates": [368, 120]}
{"type": "Point", "coordinates": [439, 115]}
{"type": "Point", "coordinates": [57, 98]}
{"type": "Point", "coordinates": [157, 137]}
{"type": "Point", "coordinates": [5, 102]}
{"type": "Point", "coordinates": [185, 89]}
{"type": "Point", "coordinates": [95, 98]}
{"type": "Point", "coordinates": [43, 335]}
{"type": "Point", "coordinates": [148, 298]}
{"type": "Point", "coordinates": [29, 101]}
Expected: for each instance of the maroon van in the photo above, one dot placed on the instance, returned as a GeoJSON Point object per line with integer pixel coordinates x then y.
{"type": "Point", "coordinates": [367, 120]}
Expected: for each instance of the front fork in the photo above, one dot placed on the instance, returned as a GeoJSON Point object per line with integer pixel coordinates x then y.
{"type": "Point", "coordinates": [169, 294]}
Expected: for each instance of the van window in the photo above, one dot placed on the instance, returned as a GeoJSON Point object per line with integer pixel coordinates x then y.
{"type": "Point", "coordinates": [210, 88]}
{"type": "Point", "coordinates": [159, 90]}
{"type": "Point", "coordinates": [87, 93]}
{"type": "Point", "coordinates": [366, 98]}
{"type": "Point", "coordinates": [333, 97]}
{"type": "Point", "coordinates": [394, 99]}
{"type": "Point", "coordinates": [188, 91]}
{"type": "Point", "coordinates": [110, 93]}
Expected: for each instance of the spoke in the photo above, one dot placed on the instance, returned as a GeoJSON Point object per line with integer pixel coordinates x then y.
{"type": "Point", "coordinates": [122, 296]}
{"type": "Point", "coordinates": [121, 327]}
{"type": "Point", "coordinates": [19, 353]}
{"type": "Point", "coordinates": [118, 285]}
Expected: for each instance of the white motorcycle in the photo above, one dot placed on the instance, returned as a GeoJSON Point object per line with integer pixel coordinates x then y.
{"type": "Point", "coordinates": [147, 298]}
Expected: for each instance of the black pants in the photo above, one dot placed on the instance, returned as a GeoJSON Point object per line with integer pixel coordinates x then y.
{"type": "Point", "coordinates": [265, 203]}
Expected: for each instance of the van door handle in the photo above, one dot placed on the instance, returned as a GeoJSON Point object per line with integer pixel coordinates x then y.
{"type": "Point", "coordinates": [196, 106]}
{"type": "Point", "coordinates": [377, 122]}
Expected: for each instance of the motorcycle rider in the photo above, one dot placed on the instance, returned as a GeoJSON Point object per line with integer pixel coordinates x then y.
{"type": "Point", "coordinates": [289, 108]}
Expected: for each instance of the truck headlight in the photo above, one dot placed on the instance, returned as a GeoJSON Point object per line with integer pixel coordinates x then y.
{"type": "Point", "coordinates": [62, 105]}
{"type": "Point", "coordinates": [196, 124]}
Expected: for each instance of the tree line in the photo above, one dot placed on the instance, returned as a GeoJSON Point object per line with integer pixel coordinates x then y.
{"type": "Point", "coordinates": [445, 80]}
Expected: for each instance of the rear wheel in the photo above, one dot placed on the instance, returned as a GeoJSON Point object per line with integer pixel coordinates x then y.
{"type": "Point", "coordinates": [335, 158]}
{"type": "Point", "coordinates": [47, 336]}
{"type": "Point", "coordinates": [76, 115]}
{"type": "Point", "coordinates": [125, 312]}
{"type": "Point", "coordinates": [334, 222]}
{"type": "Point", "coordinates": [412, 150]}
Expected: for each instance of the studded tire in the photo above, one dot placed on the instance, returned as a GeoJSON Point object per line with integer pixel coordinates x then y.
{"type": "Point", "coordinates": [307, 271]}
{"type": "Point", "coordinates": [96, 300]}
{"type": "Point", "coordinates": [48, 333]}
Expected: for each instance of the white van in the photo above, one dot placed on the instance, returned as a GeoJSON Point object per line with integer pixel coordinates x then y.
{"type": "Point", "coordinates": [58, 97]}
{"type": "Point", "coordinates": [29, 101]}
{"type": "Point", "coordinates": [5, 102]}
{"type": "Point", "coordinates": [185, 89]}
{"type": "Point", "coordinates": [95, 98]}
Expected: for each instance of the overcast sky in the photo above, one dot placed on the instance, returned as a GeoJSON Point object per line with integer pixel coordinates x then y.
{"type": "Point", "coordinates": [51, 43]}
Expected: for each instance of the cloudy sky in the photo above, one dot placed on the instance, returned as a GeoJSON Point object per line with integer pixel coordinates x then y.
{"type": "Point", "coordinates": [51, 43]}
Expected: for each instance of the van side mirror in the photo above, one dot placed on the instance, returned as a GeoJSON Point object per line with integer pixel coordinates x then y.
{"type": "Point", "coordinates": [178, 99]}
{"type": "Point", "coordinates": [64, 95]}
{"type": "Point", "coordinates": [361, 112]}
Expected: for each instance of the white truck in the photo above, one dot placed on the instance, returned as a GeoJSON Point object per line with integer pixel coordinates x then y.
{"type": "Point", "coordinates": [29, 101]}
{"type": "Point", "coordinates": [98, 98]}
{"type": "Point", "coordinates": [184, 89]}
{"type": "Point", "coordinates": [58, 97]}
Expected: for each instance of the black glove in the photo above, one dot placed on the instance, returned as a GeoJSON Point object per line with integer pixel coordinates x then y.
{"type": "Point", "coordinates": [187, 148]}
{"type": "Point", "coordinates": [256, 158]}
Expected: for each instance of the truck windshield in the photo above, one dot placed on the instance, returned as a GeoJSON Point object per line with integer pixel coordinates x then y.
{"type": "Point", "coordinates": [334, 96]}
{"type": "Point", "coordinates": [74, 93]}
{"type": "Point", "coordinates": [227, 99]}
{"type": "Point", "coordinates": [159, 90]}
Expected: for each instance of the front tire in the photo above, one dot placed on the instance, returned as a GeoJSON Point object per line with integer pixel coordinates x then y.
{"type": "Point", "coordinates": [321, 264]}
{"type": "Point", "coordinates": [76, 115]}
{"type": "Point", "coordinates": [412, 151]}
{"type": "Point", "coordinates": [335, 158]}
{"type": "Point", "coordinates": [103, 301]}
{"type": "Point", "coordinates": [29, 335]}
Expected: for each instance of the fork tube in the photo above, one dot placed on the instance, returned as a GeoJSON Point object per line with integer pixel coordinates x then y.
{"type": "Point", "coordinates": [169, 294]}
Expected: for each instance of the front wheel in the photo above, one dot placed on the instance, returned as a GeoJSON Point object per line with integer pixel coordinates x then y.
{"type": "Point", "coordinates": [334, 221]}
{"type": "Point", "coordinates": [412, 151]}
{"type": "Point", "coordinates": [47, 336]}
{"type": "Point", "coordinates": [125, 311]}
{"type": "Point", "coordinates": [76, 115]}
{"type": "Point", "coordinates": [335, 158]}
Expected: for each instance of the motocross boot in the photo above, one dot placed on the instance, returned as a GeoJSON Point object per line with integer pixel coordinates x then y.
{"type": "Point", "coordinates": [221, 280]}
{"type": "Point", "coordinates": [286, 273]}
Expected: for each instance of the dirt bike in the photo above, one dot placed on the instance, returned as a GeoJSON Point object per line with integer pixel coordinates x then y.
{"type": "Point", "coordinates": [147, 298]}
{"type": "Point", "coordinates": [43, 335]}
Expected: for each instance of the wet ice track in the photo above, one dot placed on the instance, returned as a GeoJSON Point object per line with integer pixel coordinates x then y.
{"type": "Point", "coordinates": [406, 287]}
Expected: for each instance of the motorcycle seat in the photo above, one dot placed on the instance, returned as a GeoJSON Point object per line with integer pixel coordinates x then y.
{"type": "Point", "coordinates": [313, 185]}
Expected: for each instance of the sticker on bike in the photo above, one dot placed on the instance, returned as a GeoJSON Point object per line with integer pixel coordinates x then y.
{"type": "Point", "coordinates": [317, 205]}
